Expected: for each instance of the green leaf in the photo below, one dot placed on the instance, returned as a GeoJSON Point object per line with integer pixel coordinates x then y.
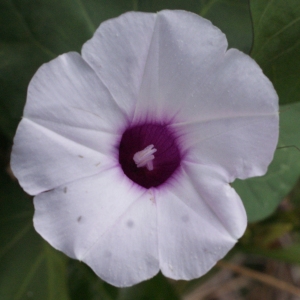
{"type": "Point", "coordinates": [85, 284]}
{"type": "Point", "coordinates": [29, 267]}
{"type": "Point", "coordinates": [290, 254]}
{"type": "Point", "coordinates": [277, 44]}
{"type": "Point", "coordinates": [34, 32]}
{"type": "Point", "coordinates": [233, 18]}
{"type": "Point", "coordinates": [261, 195]}
{"type": "Point", "coordinates": [155, 288]}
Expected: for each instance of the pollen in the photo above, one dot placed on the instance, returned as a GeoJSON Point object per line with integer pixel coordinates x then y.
{"type": "Point", "coordinates": [144, 158]}
{"type": "Point", "coordinates": [149, 154]}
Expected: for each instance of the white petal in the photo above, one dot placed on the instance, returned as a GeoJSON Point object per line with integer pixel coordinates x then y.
{"type": "Point", "coordinates": [66, 96]}
{"type": "Point", "coordinates": [237, 128]}
{"type": "Point", "coordinates": [42, 159]}
{"type": "Point", "coordinates": [242, 146]}
{"type": "Point", "coordinates": [113, 230]}
{"type": "Point", "coordinates": [118, 52]}
{"type": "Point", "coordinates": [200, 218]}
{"type": "Point", "coordinates": [235, 87]}
{"type": "Point", "coordinates": [184, 48]}
{"type": "Point", "coordinates": [69, 113]}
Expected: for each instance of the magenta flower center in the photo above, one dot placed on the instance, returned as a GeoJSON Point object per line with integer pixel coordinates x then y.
{"type": "Point", "coordinates": [149, 154]}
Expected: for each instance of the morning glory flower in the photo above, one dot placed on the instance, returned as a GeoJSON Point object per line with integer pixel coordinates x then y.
{"type": "Point", "coordinates": [130, 147]}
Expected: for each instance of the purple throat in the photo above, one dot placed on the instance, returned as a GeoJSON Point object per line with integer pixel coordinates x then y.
{"type": "Point", "coordinates": [149, 154]}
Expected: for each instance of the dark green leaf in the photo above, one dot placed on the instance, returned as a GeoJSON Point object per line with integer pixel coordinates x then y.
{"type": "Point", "coordinates": [290, 254]}
{"type": "Point", "coordinates": [261, 195]}
{"type": "Point", "coordinates": [29, 267]}
{"type": "Point", "coordinates": [34, 32]}
{"type": "Point", "coordinates": [85, 284]}
{"type": "Point", "coordinates": [233, 18]}
{"type": "Point", "coordinates": [277, 44]}
{"type": "Point", "coordinates": [157, 288]}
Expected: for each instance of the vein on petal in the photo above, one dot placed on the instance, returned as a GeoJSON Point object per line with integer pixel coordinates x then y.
{"type": "Point", "coordinates": [41, 127]}
{"type": "Point", "coordinates": [36, 121]}
{"type": "Point", "coordinates": [157, 227]}
{"type": "Point", "coordinates": [207, 202]}
{"type": "Point", "coordinates": [108, 90]}
{"type": "Point", "coordinates": [176, 124]}
{"type": "Point", "coordinates": [195, 212]}
{"type": "Point", "coordinates": [145, 66]}
{"type": "Point", "coordinates": [113, 224]}
{"type": "Point", "coordinates": [61, 186]}
{"type": "Point", "coordinates": [222, 133]}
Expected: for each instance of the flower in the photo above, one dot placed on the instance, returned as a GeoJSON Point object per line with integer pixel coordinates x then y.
{"type": "Point", "coordinates": [129, 149]}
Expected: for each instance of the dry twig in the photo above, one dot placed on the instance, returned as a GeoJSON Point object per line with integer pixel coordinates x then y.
{"type": "Point", "coordinates": [264, 278]}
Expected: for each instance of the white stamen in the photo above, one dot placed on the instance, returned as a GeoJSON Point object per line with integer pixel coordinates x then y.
{"type": "Point", "coordinates": [144, 158]}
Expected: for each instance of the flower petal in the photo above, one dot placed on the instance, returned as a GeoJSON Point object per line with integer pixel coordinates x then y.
{"type": "Point", "coordinates": [237, 125]}
{"type": "Point", "coordinates": [118, 52]}
{"type": "Point", "coordinates": [235, 87]}
{"type": "Point", "coordinates": [240, 146]}
{"type": "Point", "coordinates": [42, 159]}
{"type": "Point", "coordinates": [184, 49]}
{"type": "Point", "coordinates": [200, 218]}
{"type": "Point", "coordinates": [69, 113]}
{"type": "Point", "coordinates": [113, 230]}
{"type": "Point", "coordinates": [65, 95]}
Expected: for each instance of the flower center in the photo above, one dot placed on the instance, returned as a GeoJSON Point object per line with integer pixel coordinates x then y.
{"type": "Point", "coordinates": [136, 154]}
{"type": "Point", "coordinates": [145, 157]}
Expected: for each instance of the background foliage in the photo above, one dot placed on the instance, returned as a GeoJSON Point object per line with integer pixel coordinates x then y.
{"type": "Point", "coordinates": [34, 32]}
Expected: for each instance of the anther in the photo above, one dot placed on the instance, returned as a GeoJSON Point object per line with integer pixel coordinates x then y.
{"type": "Point", "coordinates": [144, 158]}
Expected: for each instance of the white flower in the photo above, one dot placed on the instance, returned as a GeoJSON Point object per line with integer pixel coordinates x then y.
{"type": "Point", "coordinates": [129, 149]}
